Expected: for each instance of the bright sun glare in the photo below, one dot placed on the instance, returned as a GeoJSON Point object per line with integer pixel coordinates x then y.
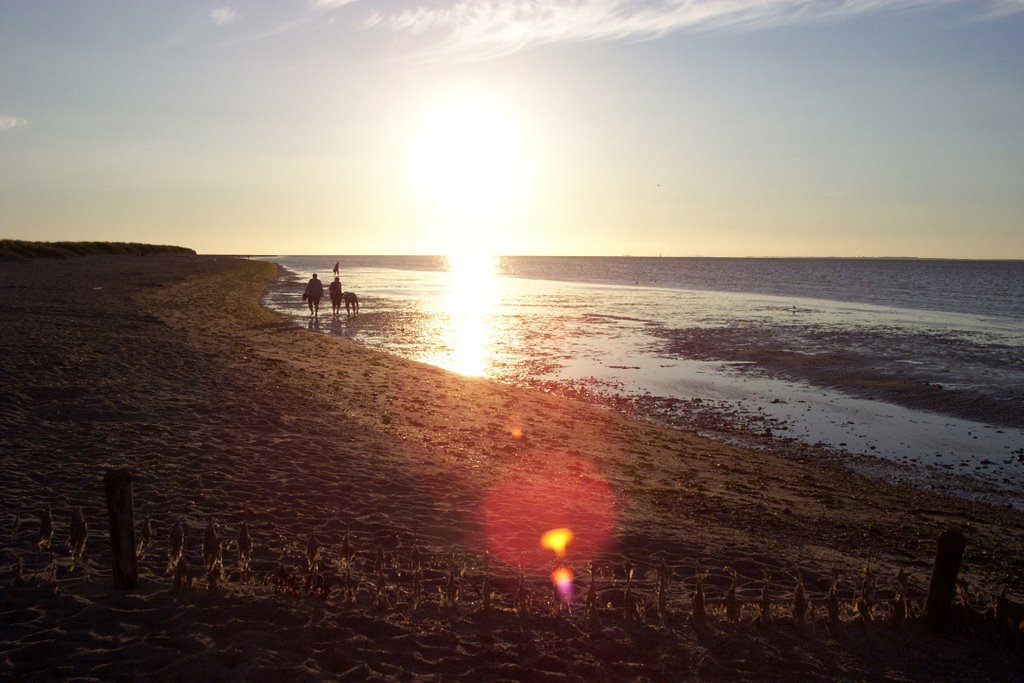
{"type": "Point", "coordinates": [469, 166]}
{"type": "Point", "coordinates": [473, 294]}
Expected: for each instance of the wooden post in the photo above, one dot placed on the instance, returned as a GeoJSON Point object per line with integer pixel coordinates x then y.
{"type": "Point", "coordinates": [121, 510]}
{"type": "Point", "coordinates": [943, 585]}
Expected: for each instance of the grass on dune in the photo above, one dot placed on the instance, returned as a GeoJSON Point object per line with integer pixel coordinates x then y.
{"type": "Point", "coordinates": [24, 250]}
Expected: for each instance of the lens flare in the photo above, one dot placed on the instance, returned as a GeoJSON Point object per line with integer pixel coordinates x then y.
{"type": "Point", "coordinates": [548, 502]}
{"type": "Point", "coordinates": [557, 540]}
{"type": "Point", "coordinates": [515, 427]}
{"type": "Point", "coordinates": [562, 579]}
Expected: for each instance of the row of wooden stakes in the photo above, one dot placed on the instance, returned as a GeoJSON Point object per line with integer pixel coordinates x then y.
{"type": "Point", "coordinates": [450, 582]}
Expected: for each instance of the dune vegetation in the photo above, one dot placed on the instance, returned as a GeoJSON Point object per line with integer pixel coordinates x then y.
{"type": "Point", "coordinates": [25, 249]}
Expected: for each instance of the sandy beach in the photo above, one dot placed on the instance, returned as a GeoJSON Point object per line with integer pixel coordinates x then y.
{"type": "Point", "coordinates": [396, 511]}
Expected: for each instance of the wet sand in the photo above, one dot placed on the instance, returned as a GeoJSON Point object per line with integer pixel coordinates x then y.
{"type": "Point", "coordinates": [226, 413]}
{"type": "Point", "coordinates": [923, 397]}
{"type": "Point", "coordinates": [862, 366]}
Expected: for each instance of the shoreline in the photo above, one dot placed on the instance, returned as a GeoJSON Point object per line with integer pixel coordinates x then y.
{"type": "Point", "coordinates": [869, 405]}
{"type": "Point", "coordinates": [229, 414]}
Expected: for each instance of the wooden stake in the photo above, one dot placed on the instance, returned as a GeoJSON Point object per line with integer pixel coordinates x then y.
{"type": "Point", "coordinates": [950, 551]}
{"type": "Point", "coordinates": [121, 510]}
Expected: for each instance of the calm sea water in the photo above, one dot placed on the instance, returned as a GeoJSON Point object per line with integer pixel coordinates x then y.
{"type": "Point", "coordinates": [988, 288]}
{"type": "Point", "coordinates": [705, 341]}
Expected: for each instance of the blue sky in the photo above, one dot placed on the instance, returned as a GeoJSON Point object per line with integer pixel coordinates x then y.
{"type": "Point", "coordinates": [740, 128]}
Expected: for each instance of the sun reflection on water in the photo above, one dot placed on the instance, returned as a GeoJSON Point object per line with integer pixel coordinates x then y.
{"type": "Point", "coordinates": [470, 302]}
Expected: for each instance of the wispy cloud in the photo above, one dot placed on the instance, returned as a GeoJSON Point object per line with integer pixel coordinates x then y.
{"type": "Point", "coordinates": [280, 29]}
{"type": "Point", "coordinates": [1006, 7]}
{"type": "Point", "coordinates": [10, 122]}
{"type": "Point", "coordinates": [329, 4]}
{"type": "Point", "coordinates": [495, 27]}
{"type": "Point", "coordinates": [223, 15]}
{"type": "Point", "coordinates": [308, 19]}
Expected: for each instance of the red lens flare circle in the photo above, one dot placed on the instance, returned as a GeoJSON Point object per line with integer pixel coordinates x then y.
{"type": "Point", "coordinates": [562, 495]}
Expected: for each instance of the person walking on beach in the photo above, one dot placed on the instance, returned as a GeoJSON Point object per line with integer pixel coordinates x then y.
{"type": "Point", "coordinates": [314, 290]}
{"type": "Point", "coordinates": [335, 290]}
{"type": "Point", "coordinates": [337, 269]}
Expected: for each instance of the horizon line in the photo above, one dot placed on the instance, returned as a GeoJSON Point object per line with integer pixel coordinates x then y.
{"type": "Point", "coordinates": [644, 256]}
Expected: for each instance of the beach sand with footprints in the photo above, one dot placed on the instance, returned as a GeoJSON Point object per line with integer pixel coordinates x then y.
{"type": "Point", "coordinates": [395, 513]}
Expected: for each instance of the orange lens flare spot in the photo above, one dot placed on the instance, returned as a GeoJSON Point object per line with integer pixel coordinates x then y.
{"type": "Point", "coordinates": [562, 577]}
{"type": "Point", "coordinates": [515, 427]}
{"type": "Point", "coordinates": [557, 540]}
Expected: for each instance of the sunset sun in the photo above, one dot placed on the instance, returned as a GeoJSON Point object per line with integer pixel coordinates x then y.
{"type": "Point", "coordinates": [468, 165]}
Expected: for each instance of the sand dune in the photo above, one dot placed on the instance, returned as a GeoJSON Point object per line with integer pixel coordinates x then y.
{"type": "Point", "coordinates": [442, 486]}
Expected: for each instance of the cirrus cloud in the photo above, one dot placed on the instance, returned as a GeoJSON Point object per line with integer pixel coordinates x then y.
{"type": "Point", "coordinates": [11, 122]}
{"type": "Point", "coordinates": [329, 4]}
{"type": "Point", "coordinates": [496, 27]}
{"type": "Point", "coordinates": [223, 15]}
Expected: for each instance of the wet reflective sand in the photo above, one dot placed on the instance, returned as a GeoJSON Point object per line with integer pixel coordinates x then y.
{"type": "Point", "coordinates": [935, 393]}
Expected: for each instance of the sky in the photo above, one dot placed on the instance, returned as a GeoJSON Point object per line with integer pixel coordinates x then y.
{"type": "Point", "coordinates": [533, 127]}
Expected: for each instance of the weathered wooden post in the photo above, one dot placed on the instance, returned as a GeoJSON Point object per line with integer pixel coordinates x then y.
{"type": "Point", "coordinates": [121, 510]}
{"type": "Point", "coordinates": [943, 585]}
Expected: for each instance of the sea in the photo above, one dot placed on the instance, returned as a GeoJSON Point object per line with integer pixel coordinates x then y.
{"type": "Point", "coordinates": [910, 370]}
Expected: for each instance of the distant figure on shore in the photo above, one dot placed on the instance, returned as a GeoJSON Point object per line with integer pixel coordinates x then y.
{"type": "Point", "coordinates": [335, 290]}
{"type": "Point", "coordinates": [314, 290]}
{"type": "Point", "coordinates": [337, 269]}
